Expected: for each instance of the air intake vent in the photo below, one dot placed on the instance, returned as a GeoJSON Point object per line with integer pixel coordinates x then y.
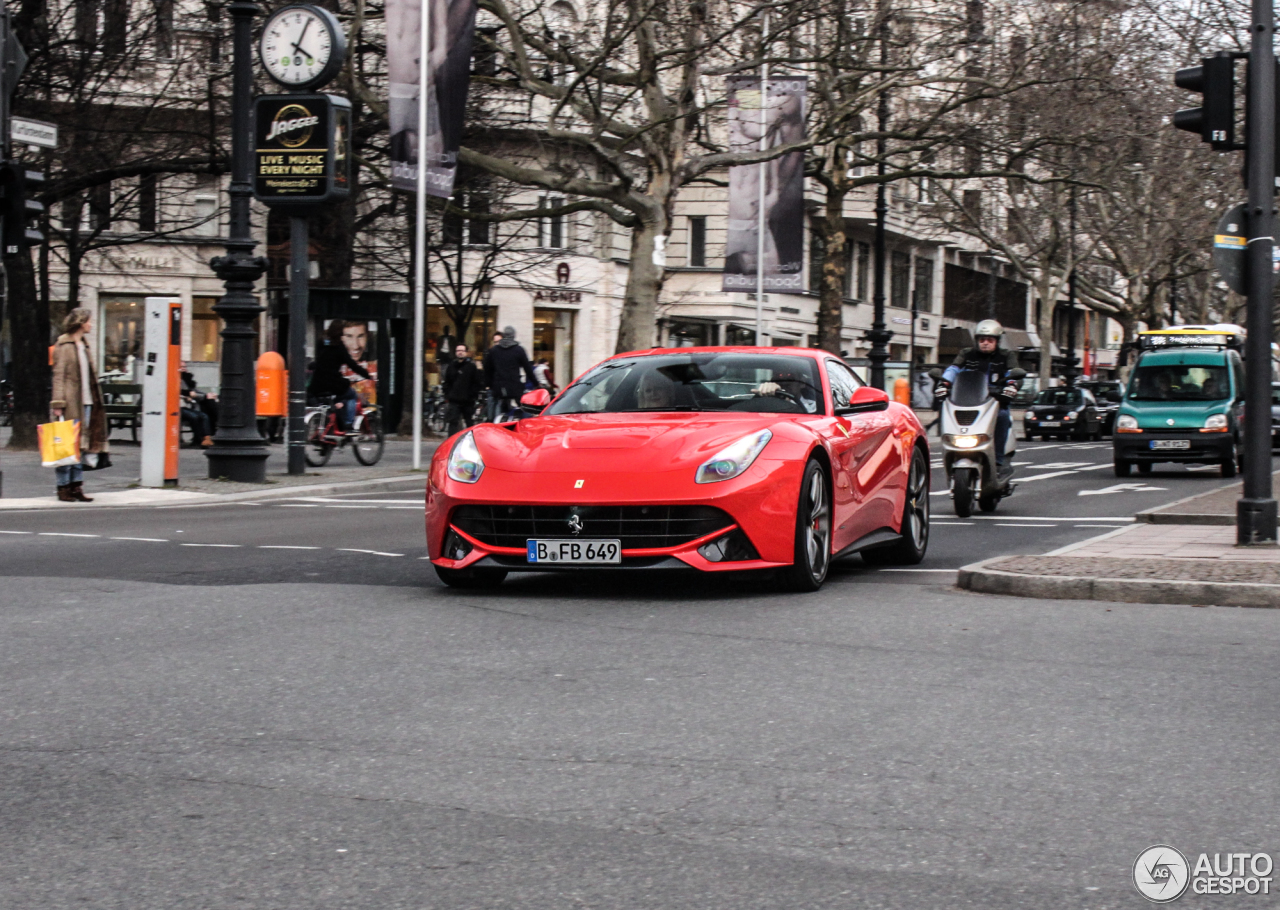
{"type": "Point", "coordinates": [965, 418]}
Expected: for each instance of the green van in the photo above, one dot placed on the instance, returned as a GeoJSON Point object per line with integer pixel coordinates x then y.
{"type": "Point", "coordinates": [1184, 402]}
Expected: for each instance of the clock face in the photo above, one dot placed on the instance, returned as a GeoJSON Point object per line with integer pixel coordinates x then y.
{"type": "Point", "coordinates": [299, 44]}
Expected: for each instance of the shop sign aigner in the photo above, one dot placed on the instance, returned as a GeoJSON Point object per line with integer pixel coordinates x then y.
{"type": "Point", "coordinates": [302, 150]}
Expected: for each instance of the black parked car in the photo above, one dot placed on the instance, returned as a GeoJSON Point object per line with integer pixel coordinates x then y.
{"type": "Point", "coordinates": [1107, 393]}
{"type": "Point", "coordinates": [1064, 413]}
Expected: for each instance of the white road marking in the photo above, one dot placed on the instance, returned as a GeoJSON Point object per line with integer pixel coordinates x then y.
{"type": "Point", "coordinates": [17, 532]}
{"type": "Point", "coordinates": [210, 545]}
{"type": "Point", "coordinates": [299, 505]}
{"type": "Point", "coordinates": [145, 539]}
{"type": "Point", "coordinates": [1049, 518]}
{"type": "Point", "coordinates": [59, 534]}
{"type": "Point", "coordinates": [381, 502]}
{"type": "Point", "coordinates": [1099, 526]}
{"type": "Point", "coordinates": [281, 546]}
{"type": "Point", "coordinates": [1012, 525]}
{"type": "Point", "coordinates": [918, 570]}
{"type": "Point", "coordinates": [1121, 488]}
{"type": "Point", "coordinates": [370, 552]}
{"type": "Point", "coordinates": [954, 524]}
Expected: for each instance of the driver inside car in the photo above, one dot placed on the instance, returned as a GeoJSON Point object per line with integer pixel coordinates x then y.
{"type": "Point", "coordinates": [788, 386]}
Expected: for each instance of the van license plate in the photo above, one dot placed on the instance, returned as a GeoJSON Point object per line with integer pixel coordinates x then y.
{"type": "Point", "coordinates": [1171, 443]}
{"type": "Point", "coordinates": [575, 552]}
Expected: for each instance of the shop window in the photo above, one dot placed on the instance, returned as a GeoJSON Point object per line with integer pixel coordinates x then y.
{"type": "Point", "coordinates": [698, 241]}
{"type": "Point", "coordinates": [206, 342]}
{"type": "Point", "coordinates": [122, 330]}
{"type": "Point", "coordinates": [553, 342]}
{"type": "Point", "coordinates": [737, 335]}
{"type": "Point", "coordinates": [691, 334]}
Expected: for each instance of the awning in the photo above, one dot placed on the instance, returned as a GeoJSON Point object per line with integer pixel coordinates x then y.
{"type": "Point", "coordinates": [1016, 338]}
{"type": "Point", "coordinates": [955, 337]}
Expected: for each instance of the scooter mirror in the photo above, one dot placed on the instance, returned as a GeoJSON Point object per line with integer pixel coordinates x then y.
{"type": "Point", "coordinates": [935, 373]}
{"type": "Point", "coordinates": [1017, 373]}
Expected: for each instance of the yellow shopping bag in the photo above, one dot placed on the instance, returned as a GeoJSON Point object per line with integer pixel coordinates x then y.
{"type": "Point", "coordinates": [59, 443]}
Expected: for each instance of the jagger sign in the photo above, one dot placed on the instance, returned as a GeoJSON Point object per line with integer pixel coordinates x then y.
{"type": "Point", "coordinates": [301, 154]}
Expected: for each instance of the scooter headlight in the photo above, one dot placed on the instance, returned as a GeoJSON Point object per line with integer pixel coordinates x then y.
{"type": "Point", "coordinates": [966, 442]}
{"type": "Point", "coordinates": [465, 463]}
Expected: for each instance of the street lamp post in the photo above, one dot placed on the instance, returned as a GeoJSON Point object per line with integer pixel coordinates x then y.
{"type": "Point", "coordinates": [1069, 370]}
{"type": "Point", "coordinates": [239, 452]}
{"type": "Point", "coordinates": [879, 335]}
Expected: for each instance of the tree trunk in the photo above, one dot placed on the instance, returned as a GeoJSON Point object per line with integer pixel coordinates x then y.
{"type": "Point", "coordinates": [31, 376]}
{"type": "Point", "coordinates": [834, 266]}
{"type": "Point", "coordinates": [637, 329]}
{"type": "Point", "coordinates": [1048, 292]}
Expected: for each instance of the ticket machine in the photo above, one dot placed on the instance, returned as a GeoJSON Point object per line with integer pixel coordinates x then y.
{"type": "Point", "coordinates": [161, 385]}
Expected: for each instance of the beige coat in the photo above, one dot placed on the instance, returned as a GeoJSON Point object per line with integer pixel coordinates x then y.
{"type": "Point", "coordinates": [67, 394]}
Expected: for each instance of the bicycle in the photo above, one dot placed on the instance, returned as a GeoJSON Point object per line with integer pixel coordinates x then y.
{"type": "Point", "coordinates": [323, 436]}
{"type": "Point", "coordinates": [433, 412]}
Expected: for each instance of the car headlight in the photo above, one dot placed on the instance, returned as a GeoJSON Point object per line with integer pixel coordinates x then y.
{"type": "Point", "coordinates": [1072, 416]}
{"type": "Point", "coordinates": [1029, 416]}
{"type": "Point", "coordinates": [732, 460]}
{"type": "Point", "coordinates": [1216, 422]}
{"type": "Point", "coordinates": [465, 463]}
{"type": "Point", "coordinates": [1127, 423]}
{"type": "Point", "coordinates": [966, 442]}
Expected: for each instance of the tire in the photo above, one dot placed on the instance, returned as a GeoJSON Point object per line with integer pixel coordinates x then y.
{"type": "Point", "coordinates": [317, 451]}
{"type": "Point", "coordinates": [1144, 467]}
{"type": "Point", "coordinates": [369, 444]}
{"type": "Point", "coordinates": [812, 553]}
{"type": "Point", "coordinates": [988, 503]}
{"type": "Point", "coordinates": [1122, 467]}
{"type": "Point", "coordinates": [471, 578]}
{"type": "Point", "coordinates": [962, 495]}
{"type": "Point", "coordinates": [910, 549]}
{"type": "Point", "coordinates": [1029, 437]}
{"type": "Point", "coordinates": [1229, 466]}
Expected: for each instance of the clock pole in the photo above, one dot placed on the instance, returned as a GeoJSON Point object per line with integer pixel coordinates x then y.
{"type": "Point", "coordinates": [239, 453]}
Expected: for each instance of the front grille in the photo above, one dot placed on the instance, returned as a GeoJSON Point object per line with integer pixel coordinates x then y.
{"type": "Point", "coordinates": [965, 418]}
{"type": "Point", "coordinates": [638, 527]}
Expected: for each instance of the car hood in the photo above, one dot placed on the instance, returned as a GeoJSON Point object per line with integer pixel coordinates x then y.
{"type": "Point", "coordinates": [614, 443]}
{"type": "Point", "coordinates": [1179, 414]}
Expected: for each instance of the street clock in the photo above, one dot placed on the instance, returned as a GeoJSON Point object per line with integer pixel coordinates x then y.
{"type": "Point", "coordinates": [302, 46]}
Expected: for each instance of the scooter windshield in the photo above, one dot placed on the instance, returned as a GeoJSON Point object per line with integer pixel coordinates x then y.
{"type": "Point", "coordinates": [970, 389]}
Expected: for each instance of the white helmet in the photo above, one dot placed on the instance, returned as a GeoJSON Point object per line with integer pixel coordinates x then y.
{"type": "Point", "coordinates": [988, 328]}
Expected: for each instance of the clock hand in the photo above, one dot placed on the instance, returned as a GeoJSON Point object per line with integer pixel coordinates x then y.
{"type": "Point", "coordinates": [297, 45]}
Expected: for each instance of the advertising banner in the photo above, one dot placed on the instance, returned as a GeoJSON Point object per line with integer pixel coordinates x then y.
{"type": "Point", "coordinates": [783, 123]}
{"type": "Point", "coordinates": [301, 149]}
{"type": "Point", "coordinates": [451, 27]}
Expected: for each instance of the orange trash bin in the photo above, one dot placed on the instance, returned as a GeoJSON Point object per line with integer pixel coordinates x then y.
{"type": "Point", "coordinates": [273, 385]}
{"type": "Point", "coordinates": [902, 391]}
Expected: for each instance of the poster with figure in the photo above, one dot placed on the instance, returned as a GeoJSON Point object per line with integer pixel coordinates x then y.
{"type": "Point", "coordinates": [452, 25]}
{"type": "Point", "coordinates": [361, 341]}
{"type": "Point", "coordinates": [782, 124]}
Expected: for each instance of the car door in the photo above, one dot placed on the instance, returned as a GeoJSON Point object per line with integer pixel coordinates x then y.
{"type": "Point", "coordinates": [861, 456]}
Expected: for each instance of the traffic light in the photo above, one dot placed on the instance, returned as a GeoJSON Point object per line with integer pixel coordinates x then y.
{"type": "Point", "coordinates": [1215, 121]}
{"type": "Point", "coordinates": [20, 208]}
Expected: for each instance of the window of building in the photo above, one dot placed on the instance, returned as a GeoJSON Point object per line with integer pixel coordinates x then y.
{"type": "Point", "coordinates": [864, 269]}
{"type": "Point", "coordinates": [115, 27]}
{"type": "Point", "coordinates": [164, 28]}
{"type": "Point", "coordinates": [737, 335]}
{"type": "Point", "coordinates": [972, 203]}
{"type": "Point", "coordinates": [551, 229]}
{"type": "Point", "coordinates": [204, 207]}
{"type": "Point", "coordinates": [484, 56]}
{"type": "Point", "coordinates": [100, 207]}
{"type": "Point", "coordinates": [899, 279]}
{"type": "Point", "coordinates": [147, 203]}
{"type": "Point", "coordinates": [206, 342]}
{"type": "Point", "coordinates": [923, 295]}
{"type": "Point", "coordinates": [478, 230]}
{"type": "Point", "coordinates": [86, 22]}
{"type": "Point", "coordinates": [697, 241]}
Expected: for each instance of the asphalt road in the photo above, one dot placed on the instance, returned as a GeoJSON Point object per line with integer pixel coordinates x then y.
{"type": "Point", "coordinates": [276, 705]}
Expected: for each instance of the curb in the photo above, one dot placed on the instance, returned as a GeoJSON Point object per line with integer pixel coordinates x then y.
{"type": "Point", "coordinates": [1182, 518]}
{"type": "Point", "coordinates": [982, 579]}
{"type": "Point", "coordinates": [192, 498]}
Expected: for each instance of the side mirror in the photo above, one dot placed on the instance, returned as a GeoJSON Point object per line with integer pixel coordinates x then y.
{"type": "Point", "coordinates": [935, 373]}
{"type": "Point", "coordinates": [865, 399]}
{"type": "Point", "coordinates": [1018, 373]}
{"type": "Point", "coordinates": [534, 402]}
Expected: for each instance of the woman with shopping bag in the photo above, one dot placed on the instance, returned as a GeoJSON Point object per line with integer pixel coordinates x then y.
{"type": "Point", "coordinates": [76, 396]}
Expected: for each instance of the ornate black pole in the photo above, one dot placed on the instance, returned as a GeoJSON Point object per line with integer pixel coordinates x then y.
{"type": "Point", "coordinates": [239, 452]}
{"type": "Point", "coordinates": [879, 336]}
{"type": "Point", "coordinates": [1069, 369]}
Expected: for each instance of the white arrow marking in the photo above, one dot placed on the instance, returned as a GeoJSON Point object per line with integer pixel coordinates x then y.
{"type": "Point", "coordinates": [1121, 488]}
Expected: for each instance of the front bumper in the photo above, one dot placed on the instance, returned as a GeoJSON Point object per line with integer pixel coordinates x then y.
{"type": "Point", "coordinates": [1203, 448]}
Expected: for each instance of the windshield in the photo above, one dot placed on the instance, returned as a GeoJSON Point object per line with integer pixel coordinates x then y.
{"type": "Point", "coordinates": [697, 382]}
{"type": "Point", "coordinates": [969, 389]}
{"type": "Point", "coordinates": [1179, 382]}
{"type": "Point", "coordinates": [1061, 397]}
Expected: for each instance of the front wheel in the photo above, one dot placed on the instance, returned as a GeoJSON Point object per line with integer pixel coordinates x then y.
{"type": "Point", "coordinates": [813, 532]}
{"type": "Point", "coordinates": [911, 547]}
{"type": "Point", "coordinates": [1122, 467]}
{"type": "Point", "coordinates": [370, 442]}
{"type": "Point", "coordinates": [1229, 466]}
{"type": "Point", "coordinates": [962, 491]}
{"type": "Point", "coordinates": [471, 578]}
{"type": "Point", "coordinates": [317, 450]}
{"type": "Point", "coordinates": [987, 502]}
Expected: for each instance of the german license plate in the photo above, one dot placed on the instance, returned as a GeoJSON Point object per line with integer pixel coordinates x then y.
{"type": "Point", "coordinates": [1050, 423]}
{"type": "Point", "coordinates": [1171, 443]}
{"type": "Point", "coordinates": [576, 552]}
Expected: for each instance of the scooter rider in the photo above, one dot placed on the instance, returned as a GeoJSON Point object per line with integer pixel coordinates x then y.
{"type": "Point", "coordinates": [988, 357]}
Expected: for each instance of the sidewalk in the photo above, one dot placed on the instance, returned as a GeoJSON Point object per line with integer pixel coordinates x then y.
{"type": "Point", "coordinates": [1195, 561]}
{"type": "Point", "coordinates": [27, 485]}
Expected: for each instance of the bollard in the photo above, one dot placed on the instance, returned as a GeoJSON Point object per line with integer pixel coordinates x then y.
{"type": "Point", "coordinates": [902, 391]}
{"type": "Point", "coordinates": [272, 385]}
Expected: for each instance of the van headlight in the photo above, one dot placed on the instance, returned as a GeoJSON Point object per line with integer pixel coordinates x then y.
{"type": "Point", "coordinates": [1126, 423]}
{"type": "Point", "coordinates": [1215, 423]}
{"type": "Point", "coordinates": [465, 463]}
{"type": "Point", "coordinates": [732, 460]}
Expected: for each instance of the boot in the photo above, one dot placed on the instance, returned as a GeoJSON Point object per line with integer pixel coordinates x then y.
{"type": "Point", "coordinates": [64, 493]}
{"type": "Point", "coordinates": [206, 442]}
{"type": "Point", "coordinates": [77, 492]}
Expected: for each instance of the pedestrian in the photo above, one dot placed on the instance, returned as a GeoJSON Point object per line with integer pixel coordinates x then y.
{"type": "Point", "coordinates": [463, 383]}
{"type": "Point", "coordinates": [491, 402]}
{"type": "Point", "coordinates": [503, 369]}
{"type": "Point", "coordinates": [542, 372]}
{"type": "Point", "coordinates": [76, 396]}
{"type": "Point", "coordinates": [199, 409]}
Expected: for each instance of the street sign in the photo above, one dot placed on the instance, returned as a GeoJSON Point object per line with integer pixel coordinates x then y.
{"type": "Point", "coordinates": [302, 150]}
{"type": "Point", "coordinates": [1230, 246]}
{"type": "Point", "coordinates": [33, 132]}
